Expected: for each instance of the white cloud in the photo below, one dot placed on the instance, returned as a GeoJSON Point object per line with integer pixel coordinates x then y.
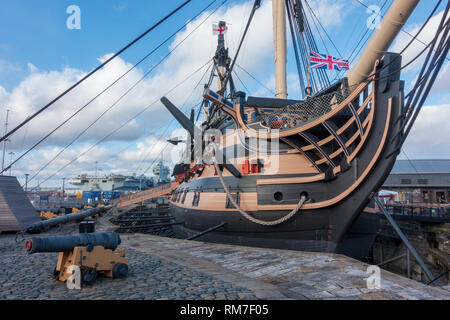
{"type": "Point", "coordinates": [31, 67]}
{"type": "Point", "coordinates": [429, 137]}
{"type": "Point", "coordinates": [3, 93]}
{"type": "Point", "coordinates": [416, 46]}
{"type": "Point", "coordinates": [41, 86]}
{"type": "Point", "coordinates": [442, 83]}
{"type": "Point", "coordinates": [330, 12]}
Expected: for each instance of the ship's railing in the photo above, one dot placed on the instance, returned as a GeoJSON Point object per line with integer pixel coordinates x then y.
{"type": "Point", "coordinates": [305, 111]}
{"type": "Point", "coordinates": [425, 212]}
{"type": "Point", "coordinates": [357, 128]}
{"type": "Point", "coordinates": [137, 197]}
{"type": "Point", "coordinates": [345, 115]}
{"type": "Point", "coordinates": [291, 120]}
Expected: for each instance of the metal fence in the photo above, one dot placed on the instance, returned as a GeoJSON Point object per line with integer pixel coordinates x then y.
{"type": "Point", "coordinates": [432, 213]}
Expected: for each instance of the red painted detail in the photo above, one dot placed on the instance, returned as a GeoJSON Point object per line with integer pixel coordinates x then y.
{"type": "Point", "coordinates": [194, 170]}
{"type": "Point", "coordinates": [246, 167]}
{"type": "Point", "coordinates": [255, 167]}
{"type": "Point", "coordinates": [28, 245]}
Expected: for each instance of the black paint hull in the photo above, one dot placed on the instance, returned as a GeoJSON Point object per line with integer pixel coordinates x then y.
{"type": "Point", "coordinates": [339, 227]}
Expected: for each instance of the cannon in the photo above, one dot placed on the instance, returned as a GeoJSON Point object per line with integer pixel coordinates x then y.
{"type": "Point", "coordinates": [47, 215]}
{"type": "Point", "coordinates": [89, 212]}
{"type": "Point", "coordinates": [83, 256]}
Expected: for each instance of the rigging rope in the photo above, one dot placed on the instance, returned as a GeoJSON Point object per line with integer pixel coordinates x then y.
{"type": "Point", "coordinates": [173, 119]}
{"type": "Point", "coordinates": [245, 214]}
{"type": "Point", "coordinates": [94, 71]}
{"type": "Point", "coordinates": [245, 87]}
{"type": "Point", "coordinates": [417, 99]}
{"type": "Point", "coordinates": [123, 95]}
{"type": "Point", "coordinates": [405, 48]}
{"type": "Point", "coordinates": [406, 32]}
{"type": "Point", "coordinates": [121, 126]}
{"type": "Point", "coordinates": [227, 76]}
{"type": "Point", "coordinates": [296, 53]}
{"type": "Point", "coordinates": [352, 55]}
{"type": "Point", "coordinates": [303, 39]}
{"type": "Point", "coordinates": [254, 78]}
{"type": "Point", "coordinates": [323, 28]}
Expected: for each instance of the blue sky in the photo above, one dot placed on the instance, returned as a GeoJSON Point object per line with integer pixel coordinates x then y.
{"type": "Point", "coordinates": [36, 32]}
{"type": "Point", "coordinates": [40, 56]}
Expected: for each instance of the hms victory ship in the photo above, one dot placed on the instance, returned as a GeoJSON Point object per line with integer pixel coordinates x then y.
{"type": "Point", "coordinates": [297, 174]}
{"type": "Point", "coordinates": [278, 172]}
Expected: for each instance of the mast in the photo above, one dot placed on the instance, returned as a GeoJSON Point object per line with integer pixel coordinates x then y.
{"type": "Point", "coordinates": [221, 57]}
{"type": "Point", "coordinates": [390, 26]}
{"type": "Point", "coordinates": [279, 42]}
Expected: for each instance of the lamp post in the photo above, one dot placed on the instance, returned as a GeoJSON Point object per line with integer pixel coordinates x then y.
{"type": "Point", "coordinates": [64, 180]}
{"type": "Point", "coordinates": [10, 164]}
{"type": "Point", "coordinates": [26, 182]}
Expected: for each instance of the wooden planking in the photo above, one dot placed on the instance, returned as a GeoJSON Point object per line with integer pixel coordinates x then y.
{"type": "Point", "coordinates": [8, 221]}
{"type": "Point", "coordinates": [16, 211]}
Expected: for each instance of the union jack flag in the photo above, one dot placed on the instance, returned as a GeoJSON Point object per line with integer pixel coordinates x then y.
{"type": "Point", "coordinates": [323, 61]}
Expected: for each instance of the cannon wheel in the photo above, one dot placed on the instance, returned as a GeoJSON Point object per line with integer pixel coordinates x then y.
{"type": "Point", "coordinates": [89, 276]}
{"type": "Point", "coordinates": [120, 270]}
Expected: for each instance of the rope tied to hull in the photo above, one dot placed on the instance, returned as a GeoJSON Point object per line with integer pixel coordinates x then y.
{"type": "Point", "coordinates": [245, 214]}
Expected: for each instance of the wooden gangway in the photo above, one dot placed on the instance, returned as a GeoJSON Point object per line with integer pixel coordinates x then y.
{"type": "Point", "coordinates": [152, 193]}
{"type": "Point", "coordinates": [16, 210]}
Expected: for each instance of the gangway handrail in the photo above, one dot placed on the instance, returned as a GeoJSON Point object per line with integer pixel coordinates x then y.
{"type": "Point", "coordinates": [152, 193]}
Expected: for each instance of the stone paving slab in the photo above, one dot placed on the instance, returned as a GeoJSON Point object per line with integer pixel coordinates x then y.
{"type": "Point", "coordinates": [285, 274]}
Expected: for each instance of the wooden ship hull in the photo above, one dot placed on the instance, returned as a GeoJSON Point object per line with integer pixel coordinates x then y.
{"type": "Point", "coordinates": [337, 161]}
{"type": "Point", "coordinates": [334, 149]}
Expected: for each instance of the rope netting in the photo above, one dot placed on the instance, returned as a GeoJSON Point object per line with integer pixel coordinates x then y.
{"type": "Point", "coordinates": [295, 115]}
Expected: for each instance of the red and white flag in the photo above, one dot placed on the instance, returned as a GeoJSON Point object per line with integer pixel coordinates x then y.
{"type": "Point", "coordinates": [219, 30]}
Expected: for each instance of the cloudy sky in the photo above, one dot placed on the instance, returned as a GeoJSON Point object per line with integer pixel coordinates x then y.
{"type": "Point", "coordinates": [40, 57]}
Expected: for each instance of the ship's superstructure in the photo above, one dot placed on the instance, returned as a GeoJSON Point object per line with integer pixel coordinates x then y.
{"type": "Point", "coordinates": [112, 182]}
{"type": "Point", "coordinates": [161, 173]}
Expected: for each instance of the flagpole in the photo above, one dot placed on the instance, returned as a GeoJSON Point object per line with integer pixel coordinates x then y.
{"type": "Point", "coordinates": [308, 88]}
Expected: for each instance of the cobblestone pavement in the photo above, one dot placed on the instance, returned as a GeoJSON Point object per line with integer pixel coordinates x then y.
{"type": "Point", "coordinates": [164, 268]}
{"type": "Point", "coordinates": [281, 274]}
{"type": "Point", "coordinates": [24, 276]}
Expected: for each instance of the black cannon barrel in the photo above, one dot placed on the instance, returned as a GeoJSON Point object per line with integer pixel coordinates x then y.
{"type": "Point", "coordinates": [108, 240]}
{"type": "Point", "coordinates": [36, 227]}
